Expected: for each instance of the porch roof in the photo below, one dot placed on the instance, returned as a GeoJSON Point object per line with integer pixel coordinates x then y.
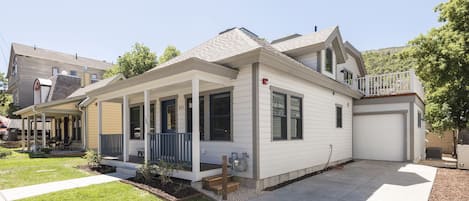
{"type": "Point", "coordinates": [63, 106]}
{"type": "Point", "coordinates": [183, 66]}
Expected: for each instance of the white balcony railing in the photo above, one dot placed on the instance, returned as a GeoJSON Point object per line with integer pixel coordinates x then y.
{"type": "Point", "coordinates": [388, 84]}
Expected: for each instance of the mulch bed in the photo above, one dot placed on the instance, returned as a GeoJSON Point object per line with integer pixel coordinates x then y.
{"type": "Point", "coordinates": [450, 184]}
{"type": "Point", "coordinates": [176, 191]}
{"type": "Point", "coordinates": [103, 169]}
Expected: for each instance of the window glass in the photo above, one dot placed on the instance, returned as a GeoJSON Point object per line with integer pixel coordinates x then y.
{"type": "Point", "coordinates": [419, 119]}
{"type": "Point", "coordinates": [135, 131]}
{"type": "Point", "coordinates": [201, 116]}
{"type": "Point", "coordinates": [338, 117]}
{"type": "Point", "coordinates": [55, 71]}
{"type": "Point", "coordinates": [94, 78]}
{"type": "Point", "coordinates": [296, 118]}
{"type": "Point", "coordinates": [220, 116]}
{"type": "Point", "coordinates": [279, 116]}
{"type": "Point", "coordinates": [329, 60]}
{"type": "Point", "coordinates": [73, 73]}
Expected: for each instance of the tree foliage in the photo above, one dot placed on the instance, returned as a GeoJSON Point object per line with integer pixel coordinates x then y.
{"type": "Point", "coordinates": [386, 60]}
{"type": "Point", "coordinates": [135, 62]}
{"type": "Point", "coordinates": [139, 60]}
{"type": "Point", "coordinates": [169, 53]}
{"type": "Point", "coordinates": [442, 62]}
{"type": "Point", "coordinates": [5, 99]}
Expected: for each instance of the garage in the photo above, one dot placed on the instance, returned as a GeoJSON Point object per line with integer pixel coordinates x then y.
{"type": "Point", "coordinates": [379, 137]}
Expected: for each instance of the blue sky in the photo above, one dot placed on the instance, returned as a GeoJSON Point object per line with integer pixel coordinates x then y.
{"type": "Point", "coordinates": [106, 29]}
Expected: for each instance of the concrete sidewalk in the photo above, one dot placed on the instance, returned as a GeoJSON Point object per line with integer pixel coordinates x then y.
{"type": "Point", "coordinates": [39, 189]}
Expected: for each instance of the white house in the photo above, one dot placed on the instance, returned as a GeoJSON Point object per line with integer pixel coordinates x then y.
{"type": "Point", "coordinates": [287, 108]}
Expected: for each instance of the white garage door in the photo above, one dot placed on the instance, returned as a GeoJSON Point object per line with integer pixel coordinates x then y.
{"type": "Point", "coordinates": [378, 137]}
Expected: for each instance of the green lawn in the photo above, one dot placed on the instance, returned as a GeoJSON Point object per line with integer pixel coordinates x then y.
{"type": "Point", "coordinates": [114, 191]}
{"type": "Point", "coordinates": [19, 170]}
{"type": "Point", "coordinates": [110, 191]}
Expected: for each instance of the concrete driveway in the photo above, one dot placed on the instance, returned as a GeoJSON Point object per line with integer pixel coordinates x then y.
{"type": "Point", "coordinates": [361, 180]}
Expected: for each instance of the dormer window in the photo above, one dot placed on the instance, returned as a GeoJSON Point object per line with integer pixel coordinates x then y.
{"type": "Point", "coordinates": [329, 60]}
{"type": "Point", "coordinates": [94, 78]}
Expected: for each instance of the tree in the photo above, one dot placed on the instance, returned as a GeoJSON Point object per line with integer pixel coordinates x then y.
{"type": "Point", "coordinates": [442, 62]}
{"type": "Point", "coordinates": [135, 62]}
{"type": "Point", "coordinates": [387, 60]}
{"type": "Point", "coordinates": [169, 53]}
{"type": "Point", "coordinates": [5, 99]}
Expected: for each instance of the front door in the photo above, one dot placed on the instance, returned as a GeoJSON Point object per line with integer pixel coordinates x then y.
{"type": "Point", "coordinates": [168, 128]}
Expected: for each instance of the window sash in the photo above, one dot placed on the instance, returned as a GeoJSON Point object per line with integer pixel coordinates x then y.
{"type": "Point", "coordinates": [220, 116]}
{"type": "Point", "coordinates": [201, 116]}
{"type": "Point", "coordinates": [279, 116]}
{"type": "Point", "coordinates": [338, 117]}
{"type": "Point", "coordinates": [329, 61]}
{"type": "Point", "coordinates": [296, 117]}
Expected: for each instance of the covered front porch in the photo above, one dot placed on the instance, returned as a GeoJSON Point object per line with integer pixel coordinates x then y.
{"type": "Point", "coordinates": [54, 125]}
{"type": "Point", "coordinates": [162, 122]}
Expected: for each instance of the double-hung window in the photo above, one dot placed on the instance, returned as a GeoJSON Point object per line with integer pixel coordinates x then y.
{"type": "Point", "coordinates": [201, 117]}
{"type": "Point", "coordinates": [338, 116]}
{"type": "Point", "coordinates": [329, 60]}
{"type": "Point", "coordinates": [287, 115]}
{"type": "Point", "coordinates": [279, 116]}
{"type": "Point", "coordinates": [220, 116]}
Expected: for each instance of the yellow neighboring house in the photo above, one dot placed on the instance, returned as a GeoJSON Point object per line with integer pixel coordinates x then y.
{"type": "Point", "coordinates": [69, 123]}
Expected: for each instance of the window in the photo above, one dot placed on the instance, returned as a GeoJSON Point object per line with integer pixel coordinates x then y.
{"type": "Point", "coordinates": [220, 116]}
{"type": "Point", "coordinates": [279, 116]}
{"type": "Point", "coordinates": [338, 111]}
{"type": "Point", "coordinates": [55, 71]}
{"type": "Point", "coordinates": [94, 78]}
{"type": "Point", "coordinates": [419, 119]}
{"type": "Point", "coordinates": [73, 73]}
{"type": "Point", "coordinates": [201, 116]}
{"type": "Point", "coordinates": [135, 123]}
{"type": "Point", "coordinates": [347, 75]}
{"type": "Point", "coordinates": [328, 60]}
{"type": "Point", "coordinates": [296, 118]}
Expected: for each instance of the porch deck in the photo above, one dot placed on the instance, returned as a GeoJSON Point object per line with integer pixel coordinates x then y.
{"type": "Point", "coordinates": [203, 166]}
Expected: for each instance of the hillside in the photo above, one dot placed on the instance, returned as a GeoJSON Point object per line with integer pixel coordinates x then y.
{"type": "Point", "coordinates": [385, 60]}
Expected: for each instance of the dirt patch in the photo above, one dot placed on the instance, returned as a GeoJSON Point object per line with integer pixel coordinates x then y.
{"type": "Point", "coordinates": [178, 190]}
{"type": "Point", "coordinates": [450, 184]}
{"type": "Point", "coordinates": [102, 169]}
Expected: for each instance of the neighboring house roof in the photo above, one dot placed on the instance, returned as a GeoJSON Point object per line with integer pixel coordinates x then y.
{"type": "Point", "coordinates": [25, 50]}
{"type": "Point", "coordinates": [315, 40]}
{"type": "Point", "coordinates": [285, 38]}
{"type": "Point", "coordinates": [63, 86]}
{"type": "Point", "coordinates": [357, 55]}
{"type": "Point", "coordinates": [77, 96]}
{"type": "Point", "coordinates": [82, 91]}
{"type": "Point", "coordinates": [44, 82]}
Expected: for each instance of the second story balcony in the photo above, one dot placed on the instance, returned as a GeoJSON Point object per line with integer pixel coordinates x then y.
{"type": "Point", "coordinates": [388, 84]}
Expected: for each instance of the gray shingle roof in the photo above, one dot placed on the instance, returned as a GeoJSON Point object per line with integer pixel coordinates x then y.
{"type": "Point", "coordinates": [305, 40]}
{"type": "Point", "coordinates": [59, 56]}
{"type": "Point", "coordinates": [63, 86]}
{"type": "Point", "coordinates": [227, 44]}
{"type": "Point", "coordinates": [82, 91]}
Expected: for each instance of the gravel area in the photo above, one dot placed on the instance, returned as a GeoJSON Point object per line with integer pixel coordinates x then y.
{"type": "Point", "coordinates": [450, 184]}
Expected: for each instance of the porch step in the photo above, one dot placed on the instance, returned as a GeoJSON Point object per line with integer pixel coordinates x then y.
{"type": "Point", "coordinates": [214, 183]}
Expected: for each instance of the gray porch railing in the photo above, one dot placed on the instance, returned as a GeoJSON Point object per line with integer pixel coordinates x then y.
{"type": "Point", "coordinates": [111, 145]}
{"type": "Point", "coordinates": [171, 147]}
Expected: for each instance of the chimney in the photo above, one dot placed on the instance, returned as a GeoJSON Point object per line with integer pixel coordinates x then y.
{"type": "Point", "coordinates": [315, 28]}
{"type": "Point", "coordinates": [85, 78]}
{"type": "Point", "coordinates": [34, 46]}
{"type": "Point", "coordinates": [76, 56]}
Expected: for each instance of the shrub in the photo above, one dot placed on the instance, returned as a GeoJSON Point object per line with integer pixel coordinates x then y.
{"type": "Point", "coordinates": [93, 158]}
{"type": "Point", "coordinates": [162, 169]}
{"type": "Point", "coordinates": [46, 150]}
{"type": "Point", "coordinates": [4, 153]}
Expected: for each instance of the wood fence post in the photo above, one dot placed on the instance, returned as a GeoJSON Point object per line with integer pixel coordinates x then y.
{"type": "Point", "coordinates": [225, 179]}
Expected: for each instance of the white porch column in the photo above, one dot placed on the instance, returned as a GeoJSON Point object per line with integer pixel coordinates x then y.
{"type": "Point", "coordinates": [100, 127]}
{"type": "Point", "coordinates": [195, 129]}
{"type": "Point", "coordinates": [35, 132]}
{"type": "Point", "coordinates": [125, 127]}
{"type": "Point", "coordinates": [323, 61]}
{"type": "Point", "coordinates": [28, 133]}
{"type": "Point", "coordinates": [43, 121]}
{"type": "Point", "coordinates": [146, 118]}
{"type": "Point", "coordinates": [23, 140]}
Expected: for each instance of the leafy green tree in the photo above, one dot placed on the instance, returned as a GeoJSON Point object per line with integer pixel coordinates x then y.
{"type": "Point", "coordinates": [169, 53]}
{"type": "Point", "coordinates": [114, 70]}
{"type": "Point", "coordinates": [137, 61]}
{"type": "Point", "coordinates": [5, 99]}
{"type": "Point", "coordinates": [386, 60]}
{"type": "Point", "coordinates": [442, 62]}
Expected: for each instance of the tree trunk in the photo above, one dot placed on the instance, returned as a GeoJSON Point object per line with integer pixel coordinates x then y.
{"type": "Point", "coordinates": [455, 142]}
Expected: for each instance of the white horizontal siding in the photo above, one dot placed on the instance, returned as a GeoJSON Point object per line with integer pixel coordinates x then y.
{"type": "Point", "coordinates": [278, 157]}
{"type": "Point", "coordinates": [350, 65]}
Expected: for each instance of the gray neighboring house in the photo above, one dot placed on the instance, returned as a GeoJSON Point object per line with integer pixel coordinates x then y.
{"type": "Point", "coordinates": [30, 63]}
